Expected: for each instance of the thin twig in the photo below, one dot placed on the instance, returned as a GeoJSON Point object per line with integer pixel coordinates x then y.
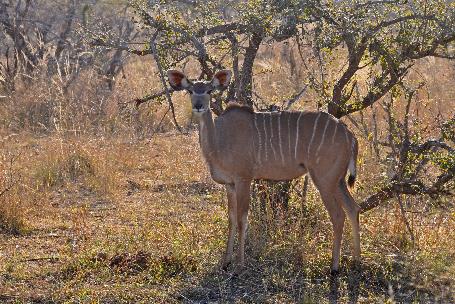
{"type": "Point", "coordinates": [405, 220]}
{"type": "Point", "coordinates": [295, 98]}
{"type": "Point", "coordinates": [40, 259]}
{"type": "Point", "coordinates": [159, 124]}
{"type": "Point", "coordinates": [6, 189]}
{"type": "Point", "coordinates": [163, 80]}
{"type": "Point", "coordinates": [139, 101]}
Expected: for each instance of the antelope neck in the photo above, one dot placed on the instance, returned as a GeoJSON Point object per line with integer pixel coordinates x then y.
{"type": "Point", "coordinates": [207, 138]}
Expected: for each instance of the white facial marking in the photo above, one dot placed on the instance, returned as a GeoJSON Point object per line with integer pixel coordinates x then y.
{"type": "Point", "coordinates": [215, 82]}
{"type": "Point", "coordinates": [322, 140]}
{"type": "Point", "coordinates": [184, 83]}
{"type": "Point", "coordinates": [198, 113]}
{"type": "Point", "coordinates": [297, 135]}
{"type": "Point", "coordinates": [312, 135]}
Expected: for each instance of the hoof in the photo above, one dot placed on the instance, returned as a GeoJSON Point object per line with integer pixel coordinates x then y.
{"type": "Point", "coordinates": [239, 270]}
{"type": "Point", "coordinates": [225, 265]}
{"type": "Point", "coordinates": [334, 272]}
{"type": "Point", "coordinates": [356, 265]}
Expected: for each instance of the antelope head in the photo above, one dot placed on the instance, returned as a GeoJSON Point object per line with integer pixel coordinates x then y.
{"type": "Point", "coordinates": [199, 91]}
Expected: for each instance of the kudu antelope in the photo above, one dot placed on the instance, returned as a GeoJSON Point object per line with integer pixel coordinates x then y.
{"type": "Point", "coordinates": [242, 145]}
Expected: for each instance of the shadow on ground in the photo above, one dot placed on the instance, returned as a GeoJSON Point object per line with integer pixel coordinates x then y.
{"type": "Point", "coordinates": [264, 282]}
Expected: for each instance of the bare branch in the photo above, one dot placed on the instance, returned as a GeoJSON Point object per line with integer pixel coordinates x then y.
{"type": "Point", "coordinates": [420, 149]}
{"type": "Point", "coordinates": [382, 86]}
{"type": "Point", "coordinates": [405, 219]}
{"type": "Point", "coordinates": [410, 188]}
{"type": "Point", "coordinates": [295, 98]}
{"type": "Point", "coordinates": [163, 79]}
{"type": "Point", "coordinates": [450, 57]}
{"type": "Point", "coordinates": [244, 90]}
{"type": "Point", "coordinates": [139, 101]}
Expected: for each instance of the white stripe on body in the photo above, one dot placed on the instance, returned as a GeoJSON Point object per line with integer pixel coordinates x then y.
{"type": "Point", "coordinates": [297, 135]}
{"type": "Point", "coordinates": [259, 138]}
{"type": "Point", "coordinates": [346, 134]}
{"type": "Point", "coordinates": [279, 138]}
{"type": "Point", "coordinates": [314, 132]}
{"type": "Point", "coordinates": [335, 132]}
{"type": "Point", "coordinates": [322, 141]}
{"type": "Point", "coordinates": [271, 137]}
{"type": "Point", "coordinates": [289, 133]}
{"type": "Point", "coordinates": [265, 137]}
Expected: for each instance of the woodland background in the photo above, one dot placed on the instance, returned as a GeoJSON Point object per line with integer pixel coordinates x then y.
{"type": "Point", "coordinates": [103, 195]}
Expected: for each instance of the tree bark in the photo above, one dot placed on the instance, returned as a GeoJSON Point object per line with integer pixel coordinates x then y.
{"type": "Point", "coordinates": [245, 87]}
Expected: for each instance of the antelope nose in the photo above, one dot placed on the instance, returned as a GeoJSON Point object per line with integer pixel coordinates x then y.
{"type": "Point", "coordinates": [198, 106]}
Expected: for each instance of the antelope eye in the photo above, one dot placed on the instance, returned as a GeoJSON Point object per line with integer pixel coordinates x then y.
{"type": "Point", "coordinates": [209, 92]}
{"type": "Point", "coordinates": [191, 92]}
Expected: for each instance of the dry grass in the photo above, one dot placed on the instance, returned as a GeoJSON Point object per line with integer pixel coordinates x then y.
{"type": "Point", "coordinates": [111, 220]}
{"type": "Point", "coordinates": [133, 215]}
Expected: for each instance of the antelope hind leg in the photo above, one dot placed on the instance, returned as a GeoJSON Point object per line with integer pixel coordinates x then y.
{"type": "Point", "coordinates": [337, 217]}
{"type": "Point", "coordinates": [352, 211]}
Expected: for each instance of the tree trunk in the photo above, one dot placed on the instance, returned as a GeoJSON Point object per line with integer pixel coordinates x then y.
{"type": "Point", "coordinates": [245, 88]}
{"type": "Point", "coordinates": [271, 196]}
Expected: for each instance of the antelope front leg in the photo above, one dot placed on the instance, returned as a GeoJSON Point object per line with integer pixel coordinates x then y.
{"type": "Point", "coordinates": [232, 210]}
{"type": "Point", "coordinates": [242, 191]}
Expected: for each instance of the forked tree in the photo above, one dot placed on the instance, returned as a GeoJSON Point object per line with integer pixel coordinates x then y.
{"type": "Point", "coordinates": [352, 55]}
{"type": "Point", "coordinates": [242, 145]}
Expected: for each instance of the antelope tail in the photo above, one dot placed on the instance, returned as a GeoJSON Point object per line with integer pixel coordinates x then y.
{"type": "Point", "coordinates": [353, 162]}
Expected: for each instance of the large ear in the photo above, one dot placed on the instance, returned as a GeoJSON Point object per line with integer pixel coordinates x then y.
{"type": "Point", "coordinates": [221, 79]}
{"type": "Point", "coordinates": [177, 80]}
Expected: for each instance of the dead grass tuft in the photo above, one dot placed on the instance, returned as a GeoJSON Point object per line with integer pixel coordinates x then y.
{"type": "Point", "coordinates": [57, 170]}
{"type": "Point", "coordinates": [11, 215]}
{"type": "Point", "coordinates": [130, 262]}
{"type": "Point", "coordinates": [11, 199]}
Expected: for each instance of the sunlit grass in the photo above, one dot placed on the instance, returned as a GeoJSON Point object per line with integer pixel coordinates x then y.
{"type": "Point", "coordinates": [142, 221]}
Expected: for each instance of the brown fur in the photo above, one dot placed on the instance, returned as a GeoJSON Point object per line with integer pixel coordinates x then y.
{"type": "Point", "coordinates": [242, 145]}
{"type": "Point", "coordinates": [233, 105]}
